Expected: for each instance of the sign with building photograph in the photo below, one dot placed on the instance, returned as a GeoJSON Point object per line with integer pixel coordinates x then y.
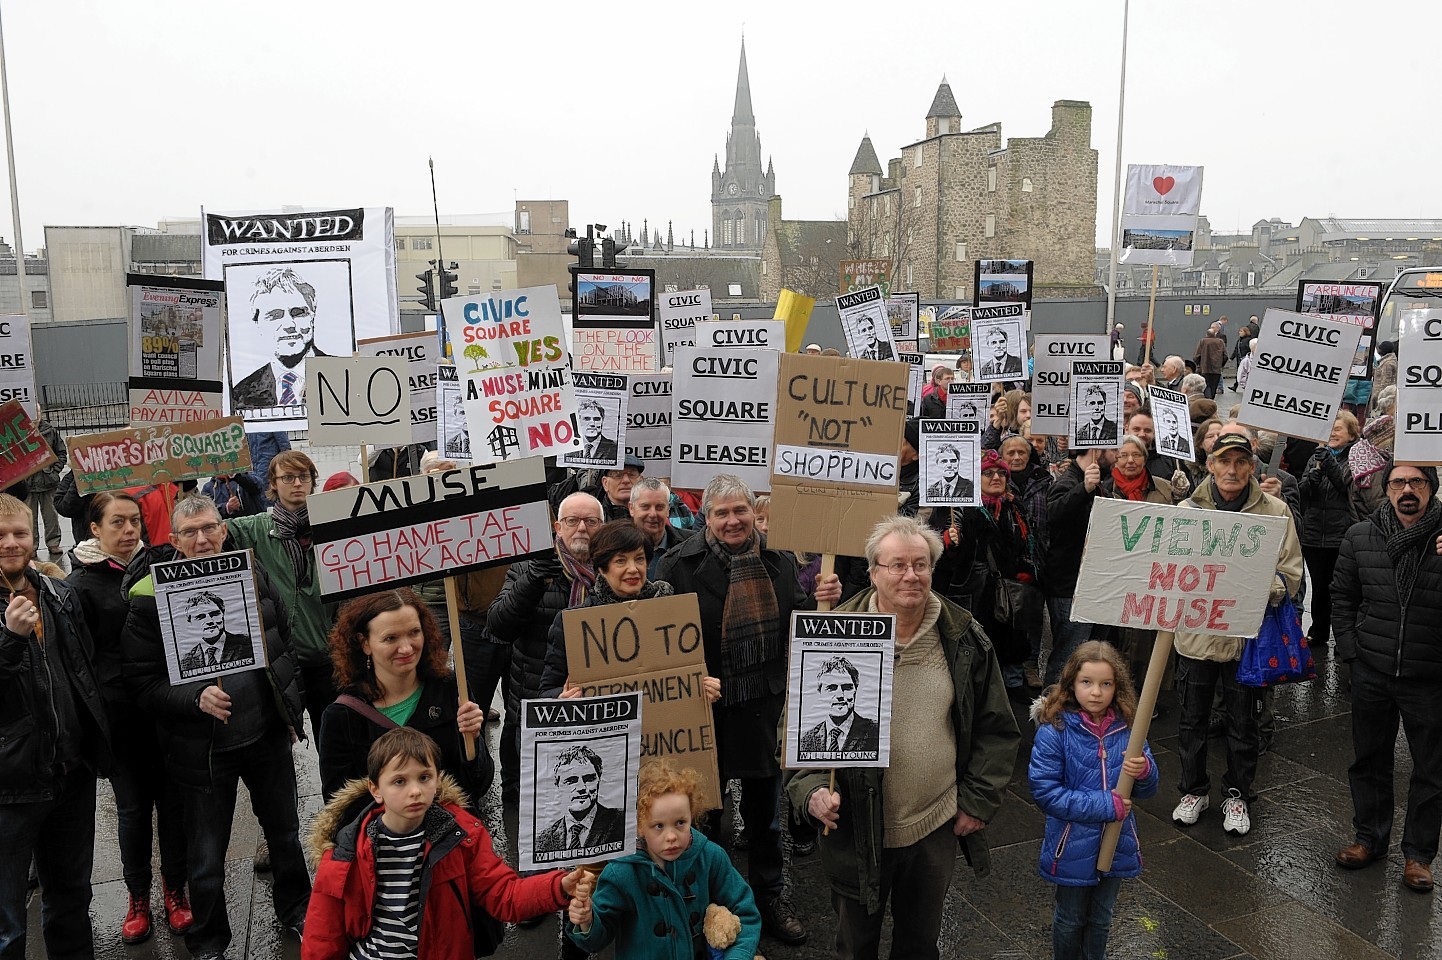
{"type": "Point", "coordinates": [177, 326]}
{"type": "Point", "coordinates": [903, 311]}
{"type": "Point", "coordinates": [298, 285]}
{"type": "Point", "coordinates": [419, 351]}
{"type": "Point", "coordinates": [1299, 372]}
{"type": "Point", "coordinates": [613, 321]}
{"type": "Point", "coordinates": [1159, 215]}
{"type": "Point", "coordinates": [723, 418]}
{"type": "Point", "coordinates": [1356, 302]}
{"type": "Point", "coordinates": [1002, 281]}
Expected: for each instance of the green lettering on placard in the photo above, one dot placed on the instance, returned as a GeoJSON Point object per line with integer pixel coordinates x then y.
{"type": "Point", "coordinates": [1129, 539]}
{"type": "Point", "coordinates": [1178, 542]}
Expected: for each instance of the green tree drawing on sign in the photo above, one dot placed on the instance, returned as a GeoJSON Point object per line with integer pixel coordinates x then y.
{"type": "Point", "coordinates": [476, 353]}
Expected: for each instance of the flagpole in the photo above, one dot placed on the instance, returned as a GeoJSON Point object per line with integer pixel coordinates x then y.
{"type": "Point", "coordinates": [14, 189]}
{"type": "Point", "coordinates": [1117, 179]}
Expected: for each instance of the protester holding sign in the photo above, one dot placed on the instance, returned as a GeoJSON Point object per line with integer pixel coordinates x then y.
{"type": "Point", "coordinates": [54, 739]}
{"type": "Point", "coordinates": [282, 544]}
{"type": "Point", "coordinates": [138, 775]}
{"type": "Point", "coordinates": [1325, 485]}
{"type": "Point", "coordinates": [953, 747]}
{"type": "Point", "coordinates": [213, 738]}
{"type": "Point", "coordinates": [1068, 511]}
{"type": "Point", "coordinates": [746, 594]}
{"type": "Point", "coordinates": [390, 665]}
{"type": "Point", "coordinates": [1207, 661]}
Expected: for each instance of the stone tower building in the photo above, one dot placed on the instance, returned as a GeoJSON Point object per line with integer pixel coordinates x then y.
{"type": "Point", "coordinates": [958, 196]}
{"type": "Point", "coordinates": [740, 192]}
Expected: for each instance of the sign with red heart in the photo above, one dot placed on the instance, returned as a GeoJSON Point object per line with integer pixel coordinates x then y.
{"type": "Point", "coordinates": [1164, 185]}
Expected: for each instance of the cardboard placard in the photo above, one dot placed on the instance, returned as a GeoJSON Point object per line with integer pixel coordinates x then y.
{"type": "Point", "coordinates": [838, 690]}
{"type": "Point", "coordinates": [856, 274]}
{"type": "Point", "coordinates": [601, 402]}
{"type": "Point", "coordinates": [1299, 373]}
{"type": "Point", "coordinates": [1051, 378]}
{"type": "Point", "coordinates": [137, 456]}
{"type": "Point", "coordinates": [420, 351]}
{"type": "Point", "coordinates": [433, 525]}
{"type": "Point", "coordinates": [654, 646]}
{"type": "Point", "coordinates": [723, 415]}
{"type": "Point", "coordinates": [648, 422]}
{"type": "Point", "coordinates": [209, 616]}
{"type": "Point", "coordinates": [23, 451]}
{"type": "Point", "coordinates": [177, 326]}
{"type": "Point", "coordinates": [580, 759]}
{"type": "Point", "coordinates": [680, 312]}
{"type": "Point", "coordinates": [1153, 567]}
{"type": "Point", "coordinates": [838, 441]}
{"type": "Point", "coordinates": [1419, 387]}
{"type": "Point", "coordinates": [353, 400]}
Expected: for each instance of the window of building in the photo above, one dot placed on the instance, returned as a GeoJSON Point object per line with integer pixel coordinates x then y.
{"type": "Point", "coordinates": [473, 289]}
{"type": "Point", "coordinates": [886, 202]}
{"type": "Point", "coordinates": [763, 268]}
{"type": "Point", "coordinates": [726, 233]}
{"type": "Point", "coordinates": [920, 152]}
{"type": "Point", "coordinates": [991, 224]}
{"type": "Point", "coordinates": [875, 182]}
{"type": "Point", "coordinates": [908, 276]}
{"type": "Point", "coordinates": [958, 293]}
{"type": "Point", "coordinates": [943, 125]}
{"type": "Point", "coordinates": [851, 203]}
{"type": "Point", "coordinates": [400, 243]}
{"type": "Point", "coordinates": [420, 243]}
{"type": "Point", "coordinates": [918, 197]}
{"type": "Point", "coordinates": [991, 179]}
{"type": "Point", "coordinates": [525, 221]}
{"type": "Point", "coordinates": [733, 289]}
{"type": "Point", "coordinates": [1026, 184]}
{"type": "Point", "coordinates": [39, 300]}
{"type": "Point", "coordinates": [740, 230]}
{"type": "Point", "coordinates": [961, 251]}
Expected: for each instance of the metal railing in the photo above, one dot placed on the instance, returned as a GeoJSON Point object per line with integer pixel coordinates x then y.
{"type": "Point", "coordinates": [86, 407]}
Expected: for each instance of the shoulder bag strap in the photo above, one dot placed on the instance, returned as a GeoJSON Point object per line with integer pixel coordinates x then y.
{"type": "Point", "coordinates": [367, 710]}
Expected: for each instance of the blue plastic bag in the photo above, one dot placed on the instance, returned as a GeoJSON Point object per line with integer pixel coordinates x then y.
{"type": "Point", "coordinates": [1280, 652]}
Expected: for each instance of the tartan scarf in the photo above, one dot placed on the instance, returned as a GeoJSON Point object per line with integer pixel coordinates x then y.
{"type": "Point", "coordinates": [581, 574]}
{"type": "Point", "coordinates": [750, 633]}
{"type": "Point", "coordinates": [1405, 545]}
{"type": "Point", "coordinates": [292, 529]}
{"type": "Point", "coordinates": [601, 592]}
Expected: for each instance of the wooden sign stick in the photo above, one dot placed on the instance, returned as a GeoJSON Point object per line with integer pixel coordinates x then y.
{"type": "Point", "coordinates": [1141, 723]}
{"type": "Point", "coordinates": [828, 567]}
{"type": "Point", "coordinates": [453, 614]}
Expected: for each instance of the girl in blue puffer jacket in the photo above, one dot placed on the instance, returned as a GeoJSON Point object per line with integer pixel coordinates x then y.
{"type": "Point", "coordinates": [1076, 759]}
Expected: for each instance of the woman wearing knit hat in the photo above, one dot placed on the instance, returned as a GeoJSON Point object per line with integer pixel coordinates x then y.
{"type": "Point", "coordinates": [339, 481]}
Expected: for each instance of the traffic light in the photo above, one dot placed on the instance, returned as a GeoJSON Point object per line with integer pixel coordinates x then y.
{"type": "Point", "coordinates": [448, 281]}
{"type": "Point", "coordinates": [427, 290]}
{"type": "Point", "coordinates": [608, 252]}
{"type": "Point", "coordinates": [584, 250]}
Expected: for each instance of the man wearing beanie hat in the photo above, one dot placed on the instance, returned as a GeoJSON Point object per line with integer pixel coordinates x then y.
{"type": "Point", "coordinates": [1207, 661]}
{"type": "Point", "coordinates": [1387, 610]}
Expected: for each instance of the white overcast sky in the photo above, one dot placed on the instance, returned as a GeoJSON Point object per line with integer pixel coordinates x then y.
{"type": "Point", "coordinates": [129, 112]}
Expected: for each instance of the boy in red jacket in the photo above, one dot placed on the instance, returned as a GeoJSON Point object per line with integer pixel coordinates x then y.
{"type": "Point", "coordinates": [399, 876]}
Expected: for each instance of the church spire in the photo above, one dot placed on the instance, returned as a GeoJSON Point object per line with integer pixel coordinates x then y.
{"type": "Point", "coordinates": [742, 113]}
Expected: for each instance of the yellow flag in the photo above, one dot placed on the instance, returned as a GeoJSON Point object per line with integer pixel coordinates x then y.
{"type": "Point", "coordinates": [795, 309]}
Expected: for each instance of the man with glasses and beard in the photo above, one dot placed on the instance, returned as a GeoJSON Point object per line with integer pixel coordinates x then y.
{"type": "Point", "coordinates": [1387, 615]}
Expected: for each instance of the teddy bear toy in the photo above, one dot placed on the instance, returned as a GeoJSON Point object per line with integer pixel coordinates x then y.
{"type": "Point", "coordinates": [721, 928]}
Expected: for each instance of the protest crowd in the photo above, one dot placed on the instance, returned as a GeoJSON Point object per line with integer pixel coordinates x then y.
{"type": "Point", "coordinates": [980, 560]}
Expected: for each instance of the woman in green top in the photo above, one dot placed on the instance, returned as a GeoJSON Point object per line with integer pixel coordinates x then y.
{"type": "Point", "coordinates": [391, 669]}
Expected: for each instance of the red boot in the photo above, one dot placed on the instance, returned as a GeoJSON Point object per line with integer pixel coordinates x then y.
{"type": "Point", "coordinates": [177, 909]}
{"type": "Point", "coordinates": [136, 928]}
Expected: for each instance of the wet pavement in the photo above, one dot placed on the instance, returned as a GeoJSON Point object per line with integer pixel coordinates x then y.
{"type": "Point", "coordinates": [1204, 895]}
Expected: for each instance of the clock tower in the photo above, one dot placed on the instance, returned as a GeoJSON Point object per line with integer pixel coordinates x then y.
{"type": "Point", "coordinates": [740, 192]}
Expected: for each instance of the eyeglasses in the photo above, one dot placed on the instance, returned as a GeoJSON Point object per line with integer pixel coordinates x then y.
{"type": "Point", "coordinates": [921, 568]}
{"type": "Point", "coordinates": [289, 478]}
{"type": "Point", "coordinates": [630, 473]}
{"type": "Point", "coordinates": [1130, 455]}
{"type": "Point", "coordinates": [1402, 483]}
{"type": "Point", "coordinates": [571, 523]}
{"type": "Point", "coordinates": [190, 533]}
{"type": "Point", "coordinates": [995, 474]}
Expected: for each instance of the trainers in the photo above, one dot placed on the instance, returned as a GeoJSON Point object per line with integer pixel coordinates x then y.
{"type": "Point", "coordinates": [177, 909]}
{"type": "Point", "coordinates": [779, 919]}
{"type": "Point", "coordinates": [1234, 814]}
{"type": "Point", "coordinates": [135, 928]}
{"type": "Point", "coordinates": [1189, 809]}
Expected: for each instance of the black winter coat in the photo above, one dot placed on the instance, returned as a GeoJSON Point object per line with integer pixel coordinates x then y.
{"type": "Point", "coordinates": [28, 724]}
{"type": "Point", "coordinates": [1068, 511]}
{"type": "Point", "coordinates": [186, 732]}
{"type": "Point", "coordinates": [521, 615]}
{"type": "Point", "coordinates": [745, 732]}
{"type": "Point", "coordinates": [98, 587]}
{"type": "Point", "coordinates": [1367, 614]}
{"type": "Point", "coordinates": [933, 406]}
{"type": "Point", "coordinates": [1325, 486]}
{"type": "Point", "coordinates": [346, 738]}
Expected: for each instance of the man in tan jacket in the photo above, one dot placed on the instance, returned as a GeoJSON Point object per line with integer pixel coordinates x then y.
{"type": "Point", "coordinates": [1205, 661]}
{"type": "Point", "coordinates": [1211, 357]}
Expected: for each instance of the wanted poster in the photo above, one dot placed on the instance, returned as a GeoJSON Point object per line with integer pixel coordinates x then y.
{"type": "Point", "coordinates": [420, 351]}
{"type": "Point", "coordinates": [950, 462]}
{"type": "Point", "coordinates": [515, 373]}
{"type": "Point", "coordinates": [680, 312]}
{"type": "Point", "coordinates": [298, 285]}
{"type": "Point", "coordinates": [176, 330]}
{"type": "Point", "coordinates": [209, 616]}
{"type": "Point", "coordinates": [968, 402]}
{"type": "Point", "coordinates": [1051, 378]}
{"type": "Point", "coordinates": [602, 400]}
{"type": "Point", "coordinates": [998, 336]}
{"type": "Point", "coordinates": [579, 762]}
{"type": "Point", "coordinates": [1002, 281]}
{"type": "Point", "coordinates": [1419, 387]}
{"type": "Point", "coordinates": [1299, 372]}
{"type": "Point", "coordinates": [358, 400]}
{"type": "Point", "coordinates": [915, 381]}
{"type": "Point", "coordinates": [723, 419]}
{"type": "Point", "coordinates": [864, 320]}
{"type": "Point", "coordinates": [838, 690]}
{"type": "Point", "coordinates": [1159, 215]}
{"type": "Point", "coordinates": [648, 422]}
{"type": "Point", "coordinates": [453, 436]}
{"type": "Point", "coordinates": [17, 371]}
{"type": "Point", "coordinates": [1359, 303]}
{"type": "Point", "coordinates": [1173, 422]}
{"type": "Point", "coordinates": [902, 312]}
{"type": "Point", "coordinates": [1096, 402]}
